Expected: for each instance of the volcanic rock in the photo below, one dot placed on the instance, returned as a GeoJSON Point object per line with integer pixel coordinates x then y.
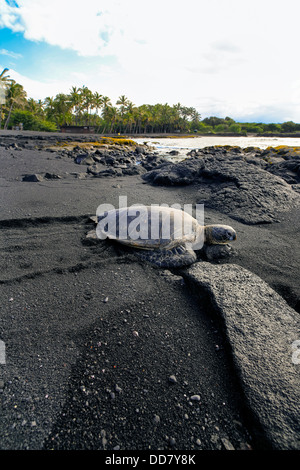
{"type": "Point", "coordinates": [261, 329]}
{"type": "Point", "coordinates": [229, 184]}
{"type": "Point", "coordinates": [33, 178]}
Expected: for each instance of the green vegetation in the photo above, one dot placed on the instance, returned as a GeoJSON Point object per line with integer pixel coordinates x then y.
{"type": "Point", "coordinates": [17, 109]}
{"type": "Point", "coordinates": [82, 107]}
{"type": "Point", "coordinates": [228, 125]}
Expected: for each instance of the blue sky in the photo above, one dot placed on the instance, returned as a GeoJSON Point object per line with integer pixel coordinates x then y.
{"type": "Point", "coordinates": [225, 58]}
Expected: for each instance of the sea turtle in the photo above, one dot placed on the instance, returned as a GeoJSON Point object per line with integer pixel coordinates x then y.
{"type": "Point", "coordinates": [164, 236]}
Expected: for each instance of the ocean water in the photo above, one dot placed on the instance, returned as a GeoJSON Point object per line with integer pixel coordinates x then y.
{"type": "Point", "coordinates": [184, 145]}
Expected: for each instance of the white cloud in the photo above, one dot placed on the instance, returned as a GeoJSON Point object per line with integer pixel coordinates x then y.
{"type": "Point", "coordinates": [12, 54]}
{"type": "Point", "coordinates": [243, 55]}
{"type": "Point", "coordinates": [9, 17]}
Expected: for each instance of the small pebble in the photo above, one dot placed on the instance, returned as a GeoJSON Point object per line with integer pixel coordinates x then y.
{"type": "Point", "coordinates": [195, 397]}
{"type": "Point", "coordinates": [156, 419]}
{"type": "Point", "coordinates": [227, 444]}
{"type": "Point", "coordinates": [172, 379]}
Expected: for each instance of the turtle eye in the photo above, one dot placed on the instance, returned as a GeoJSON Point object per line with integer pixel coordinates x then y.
{"type": "Point", "coordinates": [231, 235]}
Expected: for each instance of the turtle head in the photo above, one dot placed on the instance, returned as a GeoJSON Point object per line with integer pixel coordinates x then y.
{"type": "Point", "coordinates": [219, 234]}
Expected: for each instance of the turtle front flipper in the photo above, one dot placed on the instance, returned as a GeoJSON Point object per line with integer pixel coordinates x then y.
{"type": "Point", "coordinates": [173, 258]}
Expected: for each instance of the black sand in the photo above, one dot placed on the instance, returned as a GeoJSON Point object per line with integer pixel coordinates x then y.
{"type": "Point", "coordinates": [93, 336]}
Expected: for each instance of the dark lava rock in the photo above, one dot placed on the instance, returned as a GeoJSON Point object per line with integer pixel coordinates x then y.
{"type": "Point", "coordinates": [289, 170]}
{"type": "Point", "coordinates": [230, 185]}
{"type": "Point", "coordinates": [14, 146]}
{"type": "Point", "coordinates": [109, 172]}
{"type": "Point", "coordinates": [245, 192]}
{"type": "Point", "coordinates": [261, 329]}
{"type": "Point", "coordinates": [32, 178]}
{"type": "Point", "coordinates": [140, 150]}
{"type": "Point", "coordinates": [84, 159]}
{"type": "Point", "coordinates": [52, 176]}
{"type": "Point", "coordinates": [134, 170]}
{"type": "Point", "coordinates": [95, 169]}
{"type": "Point", "coordinates": [151, 162]}
{"type": "Point", "coordinates": [176, 174]}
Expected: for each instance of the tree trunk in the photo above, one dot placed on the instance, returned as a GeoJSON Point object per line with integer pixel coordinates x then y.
{"type": "Point", "coordinates": [8, 117]}
{"type": "Point", "coordinates": [111, 126]}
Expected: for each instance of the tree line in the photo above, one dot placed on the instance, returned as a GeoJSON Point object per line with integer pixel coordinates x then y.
{"type": "Point", "coordinates": [82, 107]}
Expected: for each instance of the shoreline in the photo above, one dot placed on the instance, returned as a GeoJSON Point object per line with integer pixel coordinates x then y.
{"type": "Point", "coordinates": [154, 135]}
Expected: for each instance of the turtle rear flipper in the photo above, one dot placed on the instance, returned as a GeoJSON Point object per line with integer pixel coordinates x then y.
{"type": "Point", "coordinates": [173, 258]}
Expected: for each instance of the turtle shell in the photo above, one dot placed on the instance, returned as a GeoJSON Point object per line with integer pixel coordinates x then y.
{"type": "Point", "coordinates": [147, 227]}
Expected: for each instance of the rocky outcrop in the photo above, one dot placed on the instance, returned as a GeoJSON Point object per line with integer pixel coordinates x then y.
{"type": "Point", "coordinates": [176, 174]}
{"type": "Point", "coordinates": [261, 330]}
{"type": "Point", "coordinates": [231, 184]}
{"type": "Point", "coordinates": [38, 178]}
{"type": "Point", "coordinates": [245, 192]}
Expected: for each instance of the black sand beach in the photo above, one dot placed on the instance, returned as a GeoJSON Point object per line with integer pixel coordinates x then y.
{"type": "Point", "coordinates": [104, 352]}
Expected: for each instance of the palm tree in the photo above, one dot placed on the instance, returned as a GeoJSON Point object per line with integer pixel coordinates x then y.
{"type": "Point", "coordinates": [156, 111]}
{"type": "Point", "coordinates": [148, 117]}
{"type": "Point", "coordinates": [35, 107]}
{"type": "Point", "coordinates": [4, 82]}
{"type": "Point", "coordinates": [123, 102]}
{"type": "Point", "coordinates": [106, 104]}
{"type": "Point", "coordinates": [114, 118]}
{"type": "Point", "coordinates": [177, 112]}
{"type": "Point", "coordinates": [129, 117]}
{"type": "Point", "coordinates": [15, 95]}
{"type": "Point", "coordinates": [195, 117]}
{"type": "Point", "coordinates": [4, 77]}
{"type": "Point", "coordinates": [76, 101]}
{"type": "Point", "coordinates": [97, 101]}
{"type": "Point", "coordinates": [86, 100]}
{"type": "Point", "coordinates": [111, 115]}
{"type": "Point", "coordinates": [141, 118]}
{"type": "Point", "coordinates": [145, 116]}
{"type": "Point", "coordinates": [62, 109]}
{"type": "Point", "coordinates": [151, 117]}
{"type": "Point", "coordinates": [49, 106]}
